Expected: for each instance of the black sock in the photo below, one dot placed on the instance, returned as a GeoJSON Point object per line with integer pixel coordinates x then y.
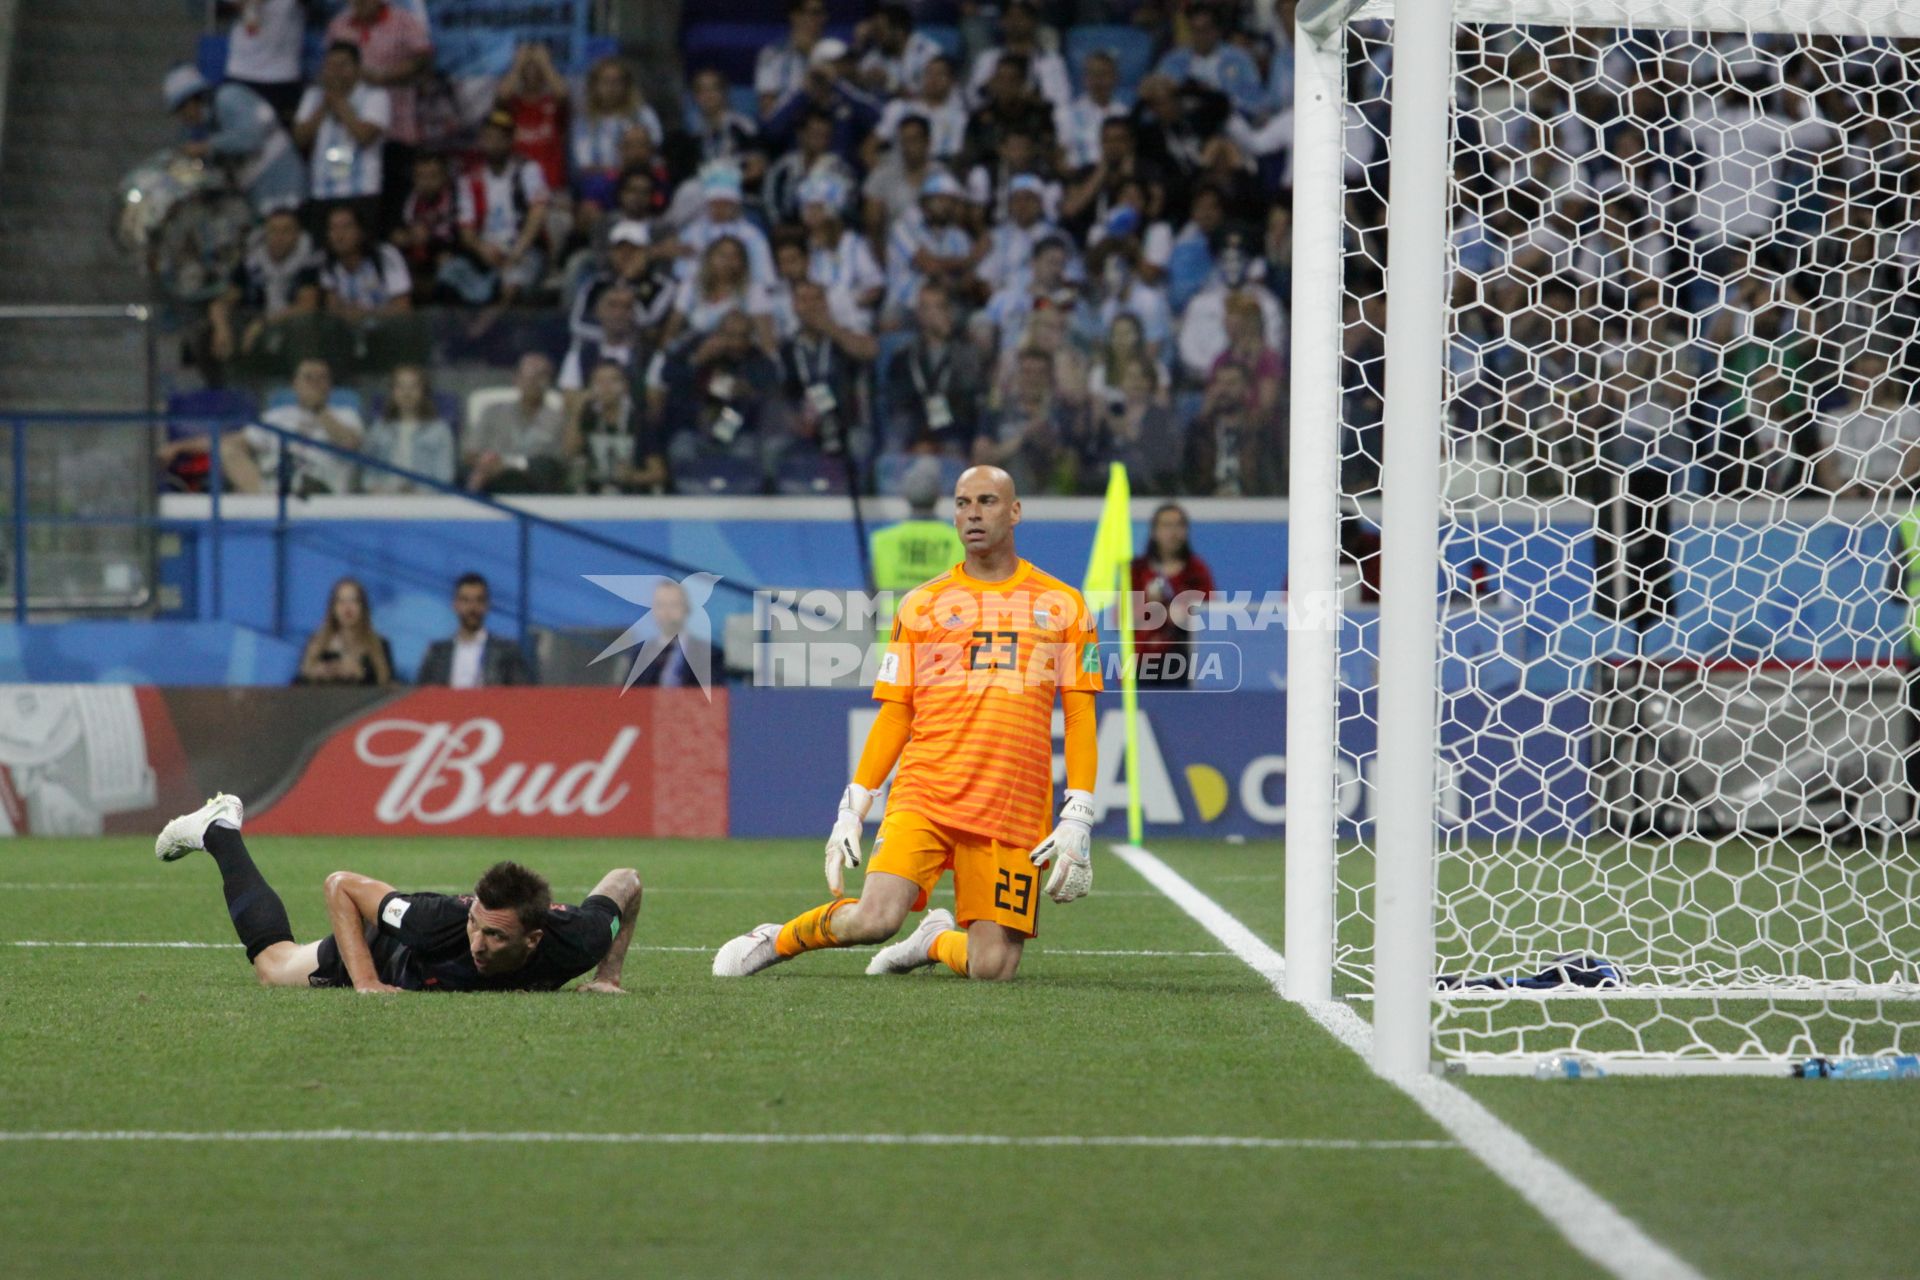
{"type": "Point", "coordinates": [258, 915]}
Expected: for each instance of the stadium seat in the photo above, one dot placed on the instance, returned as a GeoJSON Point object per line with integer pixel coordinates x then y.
{"type": "Point", "coordinates": [210, 57]}
{"type": "Point", "coordinates": [1132, 50]}
{"type": "Point", "coordinates": [810, 473]}
{"type": "Point", "coordinates": [718, 476]}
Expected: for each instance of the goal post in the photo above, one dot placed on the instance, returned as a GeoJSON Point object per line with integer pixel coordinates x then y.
{"type": "Point", "coordinates": [1616, 422]}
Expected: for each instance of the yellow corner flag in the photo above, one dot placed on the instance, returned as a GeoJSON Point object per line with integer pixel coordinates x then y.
{"type": "Point", "coordinates": [1109, 580]}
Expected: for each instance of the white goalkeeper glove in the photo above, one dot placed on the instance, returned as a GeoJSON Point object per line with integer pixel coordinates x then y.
{"type": "Point", "coordinates": [843, 846]}
{"type": "Point", "coordinates": [1068, 849]}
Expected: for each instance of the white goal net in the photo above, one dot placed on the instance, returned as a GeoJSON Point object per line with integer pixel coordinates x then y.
{"type": "Point", "coordinates": [1679, 452]}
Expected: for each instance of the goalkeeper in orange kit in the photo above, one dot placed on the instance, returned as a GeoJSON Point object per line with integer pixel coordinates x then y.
{"type": "Point", "coordinates": [967, 685]}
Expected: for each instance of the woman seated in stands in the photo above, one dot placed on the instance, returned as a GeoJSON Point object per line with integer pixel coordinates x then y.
{"type": "Point", "coordinates": [721, 286]}
{"type": "Point", "coordinates": [345, 649]}
{"type": "Point", "coordinates": [411, 434]}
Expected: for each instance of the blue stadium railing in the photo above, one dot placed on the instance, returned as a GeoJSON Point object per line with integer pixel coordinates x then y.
{"type": "Point", "coordinates": [216, 427]}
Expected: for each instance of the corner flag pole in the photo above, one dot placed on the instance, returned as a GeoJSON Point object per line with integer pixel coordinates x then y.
{"type": "Point", "coordinates": [1109, 578]}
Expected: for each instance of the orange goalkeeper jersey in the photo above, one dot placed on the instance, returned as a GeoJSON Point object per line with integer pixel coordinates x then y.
{"type": "Point", "coordinates": [981, 664]}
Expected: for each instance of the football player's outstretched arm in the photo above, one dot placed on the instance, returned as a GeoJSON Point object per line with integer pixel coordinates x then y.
{"type": "Point", "coordinates": [885, 741]}
{"type": "Point", "coordinates": [353, 901]}
{"type": "Point", "coordinates": [1070, 846]}
{"type": "Point", "coordinates": [622, 885]}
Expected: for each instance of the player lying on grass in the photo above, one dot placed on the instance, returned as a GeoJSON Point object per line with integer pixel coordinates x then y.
{"type": "Point", "coordinates": [507, 935]}
{"type": "Point", "coordinates": [967, 690]}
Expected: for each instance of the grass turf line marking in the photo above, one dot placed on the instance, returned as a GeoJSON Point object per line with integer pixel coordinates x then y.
{"type": "Point", "coordinates": [1590, 1224]}
{"type": "Point", "coordinates": [1216, 1141]}
{"type": "Point", "coordinates": [234, 946]}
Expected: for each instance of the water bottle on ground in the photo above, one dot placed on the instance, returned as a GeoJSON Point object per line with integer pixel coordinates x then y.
{"type": "Point", "coordinates": [1892, 1066]}
{"type": "Point", "coordinates": [1568, 1066]}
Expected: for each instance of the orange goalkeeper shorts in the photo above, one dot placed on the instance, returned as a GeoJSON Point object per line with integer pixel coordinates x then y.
{"type": "Point", "coordinates": [991, 880]}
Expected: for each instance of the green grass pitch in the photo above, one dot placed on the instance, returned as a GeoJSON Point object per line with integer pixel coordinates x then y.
{"type": "Point", "coordinates": [1741, 1177]}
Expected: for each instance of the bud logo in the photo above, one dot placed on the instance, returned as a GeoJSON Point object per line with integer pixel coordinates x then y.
{"type": "Point", "coordinates": [441, 774]}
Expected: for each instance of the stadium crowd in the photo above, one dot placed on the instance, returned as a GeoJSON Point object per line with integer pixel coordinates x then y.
{"type": "Point", "coordinates": [1677, 258]}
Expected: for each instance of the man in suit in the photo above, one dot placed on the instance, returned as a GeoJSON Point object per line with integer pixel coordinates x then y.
{"type": "Point", "coordinates": [472, 659]}
{"type": "Point", "coordinates": [686, 661]}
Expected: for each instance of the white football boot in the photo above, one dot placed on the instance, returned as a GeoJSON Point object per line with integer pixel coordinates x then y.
{"type": "Point", "coordinates": [915, 951]}
{"type": "Point", "coordinates": [749, 953]}
{"type": "Point", "coordinates": [189, 831]}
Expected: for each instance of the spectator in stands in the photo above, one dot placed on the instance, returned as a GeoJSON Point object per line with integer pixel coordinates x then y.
{"type": "Point", "coordinates": [639, 198]}
{"type": "Point", "coordinates": [235, 128]}
{"type": "Point", "coordinates": [1136, 429]}
{"type": "Point", "coordinates": [1232, 452]}
{"type": "Point", "coordinates": [428, 233]}
{"type": "Point", "coordinates": [1010, 244]}
{"type": "Point", "coordinates": [535, 94]}
{"type": "Point", "coordinates": [715, 131]}
{"type": "Point", "coordinates": [369, 293]}
{"type": "Point", "coordinates": [253, 458]}
{"type": "Point", "coordinates": [1077, 125]}
{"type": "Point", "coordinates": [643, 268]}
{"type": "Point", "coordinates": [1203, 329]}
{"type": "Point", "coordinates": [906, 554]}
{"type": "Point", "coordinates": [514, 446]}
{"type": "Point", "coordinates": [1124, 344]}
{"type": "Point", "coordinates": [1208, 58]}
{"type": "Point", "coordinates": [472, 659]}
{"type": "Point", "coordinates": [1092, 193]}
{"type": "Point", "coordinates": [938, 103]}
{"type": "Point", "coordinates": [1248, 348]}
{"type": "Point", "coordinates": [410, 433]}
{"type": "Point", "coordinates": [893, 186]}
{"type": "Point", "coordinates": [718, 390]}
{"type": "Point", "coordinates": [930, 243]}
{"type": "Point", "coordinates": [274, 285]}
{"type": "Point", "coordinates": [1010, 107]}
{"type": "Point", "coordinates": [823, 367]}
{"type": "Point", "coordinates": [721, 218]}
{"type": "Point", "coordinates": [1870, 442]}
{"type": "Point", "coordinates": [1169, 575]}
{"type": "Point", "coordinates": [345, 649]}
{"type": "Point", "coordinates": [1050, 333]}
{"type": "Point", "coordinates": [616, 340]}
{"type": "Point", "coordinates": [1032, 428]}
{"type": "Point", "coordinates": [1190, 256]}
{"type": "Point", "coordinates": [1115, 287]}
{"type": "Point", "coordinates": [686, 660]}
{"type": "Point", "coordinates": [838, 257]}
{"type": "Point", "coordinates": [342, 124]}
{"type": "Point", "coordinates": [1043, 285]}
{"type": "Point", "coordinates": [264, 46]}
{"type": "Point", "coordinates": [934, 382]}
{"type": "Point", "coordinates": [609, 447]}
{"type": "Point", "coordinates": [811, 157]}
{"type": "Point", "coordinates": [611, 106]}
{"type": "Point", "coordinates": [503, 213]}
{"type": "Point", "coordinates": [892, 54]}
{"type": "Point", "coordinates": [395, 56]}
{"type": "Point", "coordinates": [721, 287]}
{"type": "Point", "coordinates": [1042, 71]}
{"type": "Point", "coordinates": [782, 68]}
{"type": "Point", "coordinates": [1277, 274]}
{"type": "Point", "coordinates": [830, 91]}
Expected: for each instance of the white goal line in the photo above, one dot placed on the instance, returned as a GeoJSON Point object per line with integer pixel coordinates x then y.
{"type": "Point", "coordinates": [1204, 1141]}
{"type": "Point", "coordinates": [91, 944]}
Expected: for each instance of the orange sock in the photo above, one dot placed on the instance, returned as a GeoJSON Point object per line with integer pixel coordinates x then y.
{"type": "Point", "coordinates": [811, 930]}
{"type": "Point", "coordinates": [950, 949]}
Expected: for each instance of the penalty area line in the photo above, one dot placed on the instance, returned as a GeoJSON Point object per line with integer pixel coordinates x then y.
{"type": "Point", "coordinates": [1204, 1141]}
{"type": "Point", "coordinates": [1588, 1222]}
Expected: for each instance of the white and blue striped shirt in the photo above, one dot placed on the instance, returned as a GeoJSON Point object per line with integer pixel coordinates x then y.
{"type": "Point", "coordinates": [912, 234]}
{"type": "Point", "coordinates": [1078, 124]}
{"type": "Point", "coordinates": [596, 139]}
{"type": "Point", "coordinates": [339, 167]}
{"type": "Point", "coordinates": [848, 265]}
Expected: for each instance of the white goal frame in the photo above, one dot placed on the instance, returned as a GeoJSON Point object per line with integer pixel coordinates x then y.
{"type": "Point", "coordinates": [1403, 998]}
